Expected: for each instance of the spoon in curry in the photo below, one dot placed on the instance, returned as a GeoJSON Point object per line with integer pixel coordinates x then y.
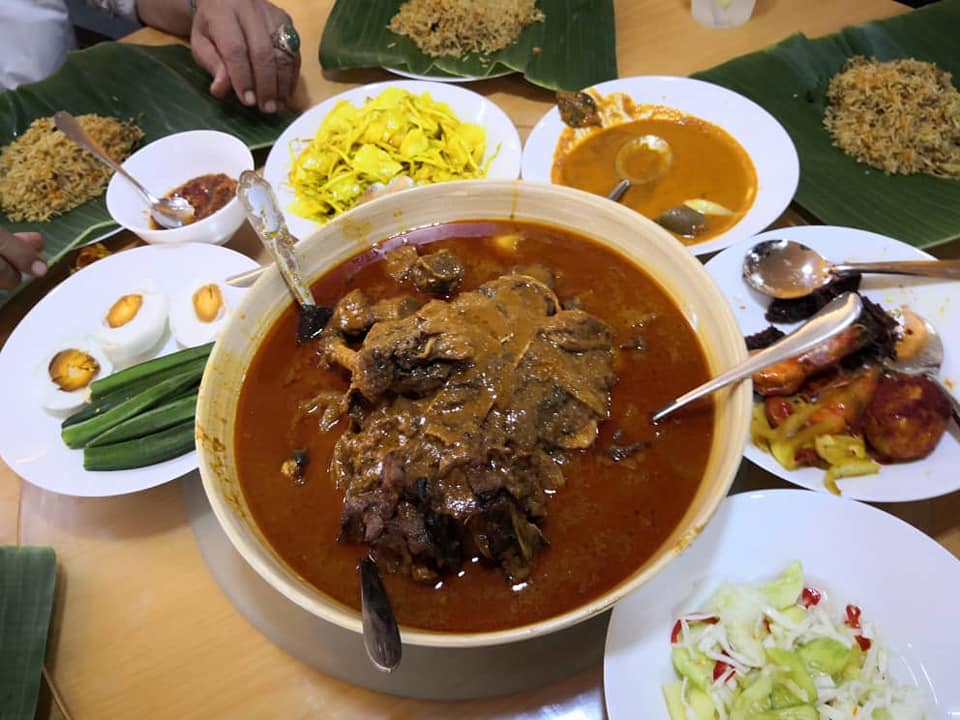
{"type": "Point", "coordinates": [381, 637]}
{"type": "Point", "coordinates": [787, 269]}
{"type": "Point", "coordinates": [264, 215]}
{"type": "Point", "coordinates": [835, 317]}
{"type": "Point", "coordinates": [167, 212]}
{"type": "Point", "coordinates": [640, 161]}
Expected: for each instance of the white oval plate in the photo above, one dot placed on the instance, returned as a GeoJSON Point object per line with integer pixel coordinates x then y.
{"type": "Point", "coordinates": [446, 78]}
{"type": "Point", "coordinates": [468, 106]}
{"type": "Point", "coordinates": [905, 583]}
{"type": "Point", "coordinates": [758, 132]}
{"type": "Point", "coordinates": [936, 300]}
{"type": "Point", "coordinates": [30, 437]}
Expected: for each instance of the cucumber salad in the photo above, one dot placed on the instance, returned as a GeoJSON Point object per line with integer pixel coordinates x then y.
{"type": "Point", "coordinates": [775, 652]}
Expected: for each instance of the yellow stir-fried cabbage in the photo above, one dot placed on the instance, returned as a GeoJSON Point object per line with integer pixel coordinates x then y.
{"type": "Point", "coordinates": [393, 135]}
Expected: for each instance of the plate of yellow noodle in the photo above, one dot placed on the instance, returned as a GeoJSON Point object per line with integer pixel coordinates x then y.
{"type": "Point", "coordinates": [386, 137]}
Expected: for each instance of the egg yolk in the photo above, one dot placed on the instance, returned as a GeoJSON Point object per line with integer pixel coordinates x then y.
{"type": "Point", "coordinates": [73, 369]}
{"type": "Point", "coordinates": [207, 302]}
{"type": "Point", "coordinates": [124, 310]}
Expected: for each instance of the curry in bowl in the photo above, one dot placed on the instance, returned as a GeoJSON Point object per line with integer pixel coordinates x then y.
{"type": "Point", "coordinates": [475, 415]}
{"type": "Point", "coordinates": [689, 175]}
{"type": "Point", "coordinates": [476, 418]}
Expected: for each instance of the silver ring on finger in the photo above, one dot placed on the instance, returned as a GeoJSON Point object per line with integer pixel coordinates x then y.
{"type": "Point", "coordinates": [286, 39]}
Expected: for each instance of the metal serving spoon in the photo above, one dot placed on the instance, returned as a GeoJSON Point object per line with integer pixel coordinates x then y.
{"type": "Point", "coordinates": [927, 362]}
{"type": "Point", "coordinates": [264, 215]}
{"type": "Point", "coordinates": [381, 637]}
{"type": "Point", "coordinates": [169, 213]}
{"type": "Point", "coordinates": [786, 269]}
{"type": "Point", "coordinates": [835, 317]}
{"type": "Point", "coordinates": [651, 144]}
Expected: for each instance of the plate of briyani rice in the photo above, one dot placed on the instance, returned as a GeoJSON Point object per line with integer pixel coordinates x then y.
{"type": "Point", "coordinates": [874, 112]}
{"type": "Point", "coordinates": [467, 40]}
{"type": "Point", "coordinates": [50, 185]}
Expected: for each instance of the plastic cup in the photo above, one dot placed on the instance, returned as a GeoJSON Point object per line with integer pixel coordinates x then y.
{"type": "Point", "coordinates": [722, 13]}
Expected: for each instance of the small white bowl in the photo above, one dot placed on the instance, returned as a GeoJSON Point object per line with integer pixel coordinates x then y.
{"type": "Point", "coordinates": [165, 165]}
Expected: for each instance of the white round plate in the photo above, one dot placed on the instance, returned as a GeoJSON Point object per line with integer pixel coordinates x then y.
{"type": "Point", "coordinates": [758, 132]}
{"type": "Point", "coordinates": [30, 437]}
{"type": "Point", "coordinates": [937, 300]}
{"type": "Point", "coordinates": [446, 78]}
{"type": "Point", "coordinates": [905, 583]}
{"type": "Point", "coordinates": [468, 106]}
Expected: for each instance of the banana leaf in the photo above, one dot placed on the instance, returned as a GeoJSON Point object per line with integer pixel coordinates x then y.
{"type": "Point", "coordinates": [573, 48]}
{"type": "Point", "coordinates": [161, 89]}
{"type": "Point", "coordinates": [27, 580]}
{"type": "Point", "coordinates": [790, 80]}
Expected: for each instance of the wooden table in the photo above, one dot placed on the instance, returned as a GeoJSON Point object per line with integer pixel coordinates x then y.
{"type": "Point", "coordinates": [140, 626]}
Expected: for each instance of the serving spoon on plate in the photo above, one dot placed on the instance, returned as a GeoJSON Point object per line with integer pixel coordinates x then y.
{"type": "Point", "coordinates": [787, 269]}
{"type": "Point", "coordinates": [169, 213]}
{"type": "Point", "coordinates": [926, 361]}
{"type": "Point", "coordinates": [835, 317]}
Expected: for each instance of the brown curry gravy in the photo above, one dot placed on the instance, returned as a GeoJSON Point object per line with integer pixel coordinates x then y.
{"type": "Point", "coordinates": [602, 525]}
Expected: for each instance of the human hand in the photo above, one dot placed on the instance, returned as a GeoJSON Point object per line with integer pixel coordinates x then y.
{"type": "Point", "coordinates": [232, 40]}
{"type": "Point", "coordinates": [20, 253]}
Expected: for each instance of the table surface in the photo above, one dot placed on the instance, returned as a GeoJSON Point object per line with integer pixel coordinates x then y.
{"type": "Point", "coordinates": [139, 623]}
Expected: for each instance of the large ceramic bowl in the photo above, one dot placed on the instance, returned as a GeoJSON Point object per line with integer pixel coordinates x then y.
{"type": "Point", "coordinates": [641, 240]}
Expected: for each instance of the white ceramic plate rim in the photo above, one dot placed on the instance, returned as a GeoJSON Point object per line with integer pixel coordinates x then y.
{"type": "Point", "coordinates": [937, 300]}
{"type": "Point", "coordinates": [446, 78]}
{"type": "Point", "coordinates": [468, 105]}
{"type": "Point", "coordinates": [761, 135]}
{"type": "Point", "coordinates": [899, 577]}
{"type": "Point", "coordinates": [29, 437]}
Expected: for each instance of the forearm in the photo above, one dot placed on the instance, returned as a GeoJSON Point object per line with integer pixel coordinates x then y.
{"type": "Point", "coordinates": [172, 16]}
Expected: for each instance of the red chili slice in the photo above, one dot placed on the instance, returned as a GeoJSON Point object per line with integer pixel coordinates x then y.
{"type": "Point", "coordinates": [766, 624]}
{"type": "Point", "coordinates": [720, 667]}
{"type": "Point", "coordinates": [863, 642]}
{"type": "Point", "coordinates": [810, 597]}
{"type": "Point", "coordinates": [675, 633]}
{"type": "Point", "coordinates": [710, 620]}
{"type": "Point", "coordinates": [853, 616]}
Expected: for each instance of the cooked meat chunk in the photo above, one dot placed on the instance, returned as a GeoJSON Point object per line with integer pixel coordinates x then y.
{"type": "Point", "coordinates": [439, 273]}
{"type": "Point", "coordinates": [352, 314]}
{"type": "Point", "coordinates": [788, 377]}
{"type": "Point", "coordinates": [907, 417]}
{"type": "Point", "coordinates": [539, 272]}
{"type": "Point", "coordinates": [399, 262]}
{"type": "Point", "coordinates": [468, 408]}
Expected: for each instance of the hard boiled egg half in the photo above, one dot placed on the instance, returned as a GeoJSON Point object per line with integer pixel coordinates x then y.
{"type": "Point", "coordinates": [198, 312]}
{"type": "Point", "coordinates": [133, 323]}
{"type": "Point", "coordinates": [62, 380]}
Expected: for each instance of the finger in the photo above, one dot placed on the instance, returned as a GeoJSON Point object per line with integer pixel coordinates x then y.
{"type": "Point", "coordinates": [9, 277]}
{"type": "Point", "coordinates": [21, 254]}
{"type": "Point", "coordinates": [263, 56]}
{"type": "Point", "coordinates": [34, 239]}
{"type": "Point", "coordinates": [208, 58]}
{"type": "Point", "coordinates": [225, 33]}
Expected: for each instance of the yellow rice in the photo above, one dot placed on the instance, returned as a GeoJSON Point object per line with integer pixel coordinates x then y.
{"type": "Point", "coordinates": [457, 27]}
{"type": "Point", "coordinates": [901, 116]}
{"type": "Point", "coordinates": [43, 174]}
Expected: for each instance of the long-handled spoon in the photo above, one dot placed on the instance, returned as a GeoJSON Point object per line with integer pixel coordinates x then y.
{"type": "Point", "coordinates": [927, 361]}
{"type": "Point", "coordinates": [786, 269]}
{"type": "Point", "coordinates": [168, 213]}
{"type": "Point", "coordinates": [834, 318]}
{"type": "Point", "coordinates": [381, 637]}
{"type": "Point", "coordinates": [264, 215]}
